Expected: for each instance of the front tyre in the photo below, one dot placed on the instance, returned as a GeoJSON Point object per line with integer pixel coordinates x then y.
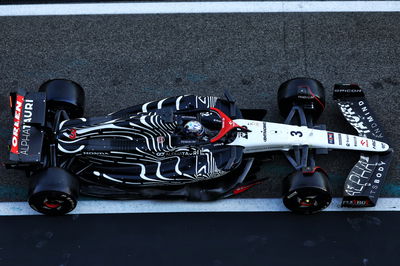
{"type": "Point", "coordinates": [304, 92]}
{"type": "Point", "coordinates": [53, 191]}
{"type": "Point", "coordinates": [307, 192]}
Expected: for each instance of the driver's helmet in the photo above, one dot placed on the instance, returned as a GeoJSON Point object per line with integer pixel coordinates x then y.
{"type": "Point", "coordinates": [194, 127]}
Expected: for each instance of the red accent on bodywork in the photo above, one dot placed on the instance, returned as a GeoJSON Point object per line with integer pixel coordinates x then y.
{"type": "Point", "coordinates": [315, 169]}
{"type": "Point", "coordinates": [72, 135]}
{"type": "Point", "coordinates": [17, 123]}
{"type": "Point", "coordinates": [227, 125]}
{"type": "Point", "coordinates": [316, 98]}
{"type": "Point", "coordinates": [244, 188]}
{"type": "Point", "coordinates": [364, 143]}
{"type": "Point", "coordinates": [313, 95]}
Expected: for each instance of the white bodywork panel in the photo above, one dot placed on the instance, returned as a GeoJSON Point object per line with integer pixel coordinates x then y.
{"type": "Point", "coordinates": [267, 136]}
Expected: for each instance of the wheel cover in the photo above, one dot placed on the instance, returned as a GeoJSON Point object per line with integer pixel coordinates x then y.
{"type": "Point", "coordinates": [52, 204]}
{"type": "Point", "coordinates": [307, 200]}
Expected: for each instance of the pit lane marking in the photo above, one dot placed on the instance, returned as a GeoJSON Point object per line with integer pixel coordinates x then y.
{"type": "Point", "coordinates": [197, 7]}
{"type": "Point", "coordinates": [159, 206]}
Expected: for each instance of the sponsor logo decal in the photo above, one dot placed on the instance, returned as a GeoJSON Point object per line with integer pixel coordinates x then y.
{"type": "Point", "coordinates": [252, 123]}
{"type": "Point", "coordinates": [17, 122]}
{"type": "Point", "coordinates": [357, 203]}
{"type": "Point", "coordinates": [265, 131]}
{"type": "Point", "coordinates": [26, 129]}
{"type": "Point", "coordinates": [331, 138]}
{"type": "Point", "coordinates": [373, 126]}
{"type": "Point", "coordinates": [360, 117]}
{"type": "Point", "coordinates": [305, 97]}
{"type": "Point", "coordinates": [348, 90]}
{"type": "Point", "coordinates": [365, 174]}
{"type": "Point", "coordinates": [72, 134]}
{"type": "Point", "coordinates": [205, 114]}
{"type": "Point", "coordinates": [95, 153]}
{"type": "Point", "coordinates": [340, 139]}
{"type": "Point", "coordinates": [347, 141]}
{"type": "Point", "coordinates": [359, 176]}
{"type": "Point", "coordinates": [364, 143]}
{"type": "Point", "coordinates": [355, 141]}
{"type": "Point", "coordinates": [244, 134]}
{"type": "Point", "coordinates": [160, 139]}
{"type": "Point", "coordinates": [178, 153]}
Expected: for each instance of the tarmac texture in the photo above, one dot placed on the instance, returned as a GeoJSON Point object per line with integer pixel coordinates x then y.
{"type": "Point", "coordinates": [364, 239]}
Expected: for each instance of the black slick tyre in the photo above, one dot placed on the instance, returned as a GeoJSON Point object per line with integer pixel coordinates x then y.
{"type": "Point", "coordinates": [62, 94]}
{"type": "Point", "coordinates": [305, 92]}
{"type": "Point", "coordinates": [307, 192]}
{"type": "Point", "coordinates": [53, 191]}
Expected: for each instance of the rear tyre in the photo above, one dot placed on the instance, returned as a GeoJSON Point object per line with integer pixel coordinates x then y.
{"type": "Point", "coordinates": [62, 94]}
{"type": "Point", "coordinates": [307, 193]}
{"type": "Point", "coordinates": [53, 191]}
{"type": "Point", "coordinates": [305, 92]}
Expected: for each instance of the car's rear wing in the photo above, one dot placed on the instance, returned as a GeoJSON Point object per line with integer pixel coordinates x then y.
{"type": "Point", "coordinates": [366, 179]}
{"type": "Point", "coordinates": [29, 111]}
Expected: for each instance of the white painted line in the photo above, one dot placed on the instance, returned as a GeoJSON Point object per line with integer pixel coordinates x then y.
{"type": "Point", "coordinates": [159, 206]}
{"type": "Point", "coordinates": [198, 7]}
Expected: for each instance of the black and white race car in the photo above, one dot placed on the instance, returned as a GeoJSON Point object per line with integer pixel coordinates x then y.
{"type": "Point", "coordinates": [189, 147]}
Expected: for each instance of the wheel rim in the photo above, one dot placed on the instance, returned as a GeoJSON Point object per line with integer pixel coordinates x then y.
{"type": "Point", "coordinates": [307, 200]}
{"type": "Point", "coordinates": [52, 204]}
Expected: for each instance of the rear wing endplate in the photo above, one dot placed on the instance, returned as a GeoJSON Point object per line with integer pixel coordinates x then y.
{"type": "Point", "coordinates": [29, 111]}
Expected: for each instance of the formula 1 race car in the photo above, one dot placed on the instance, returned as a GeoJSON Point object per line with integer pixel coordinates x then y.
{"type": "Point", "coordinates": [189, 147]}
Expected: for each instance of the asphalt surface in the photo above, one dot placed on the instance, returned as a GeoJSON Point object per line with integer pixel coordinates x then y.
{"type": "Point", "coordinates": [364, 239]}
{"type": "Point", "coordinates": [15, 2]}
{"type": "Point", "coordinates": [125, 60]}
